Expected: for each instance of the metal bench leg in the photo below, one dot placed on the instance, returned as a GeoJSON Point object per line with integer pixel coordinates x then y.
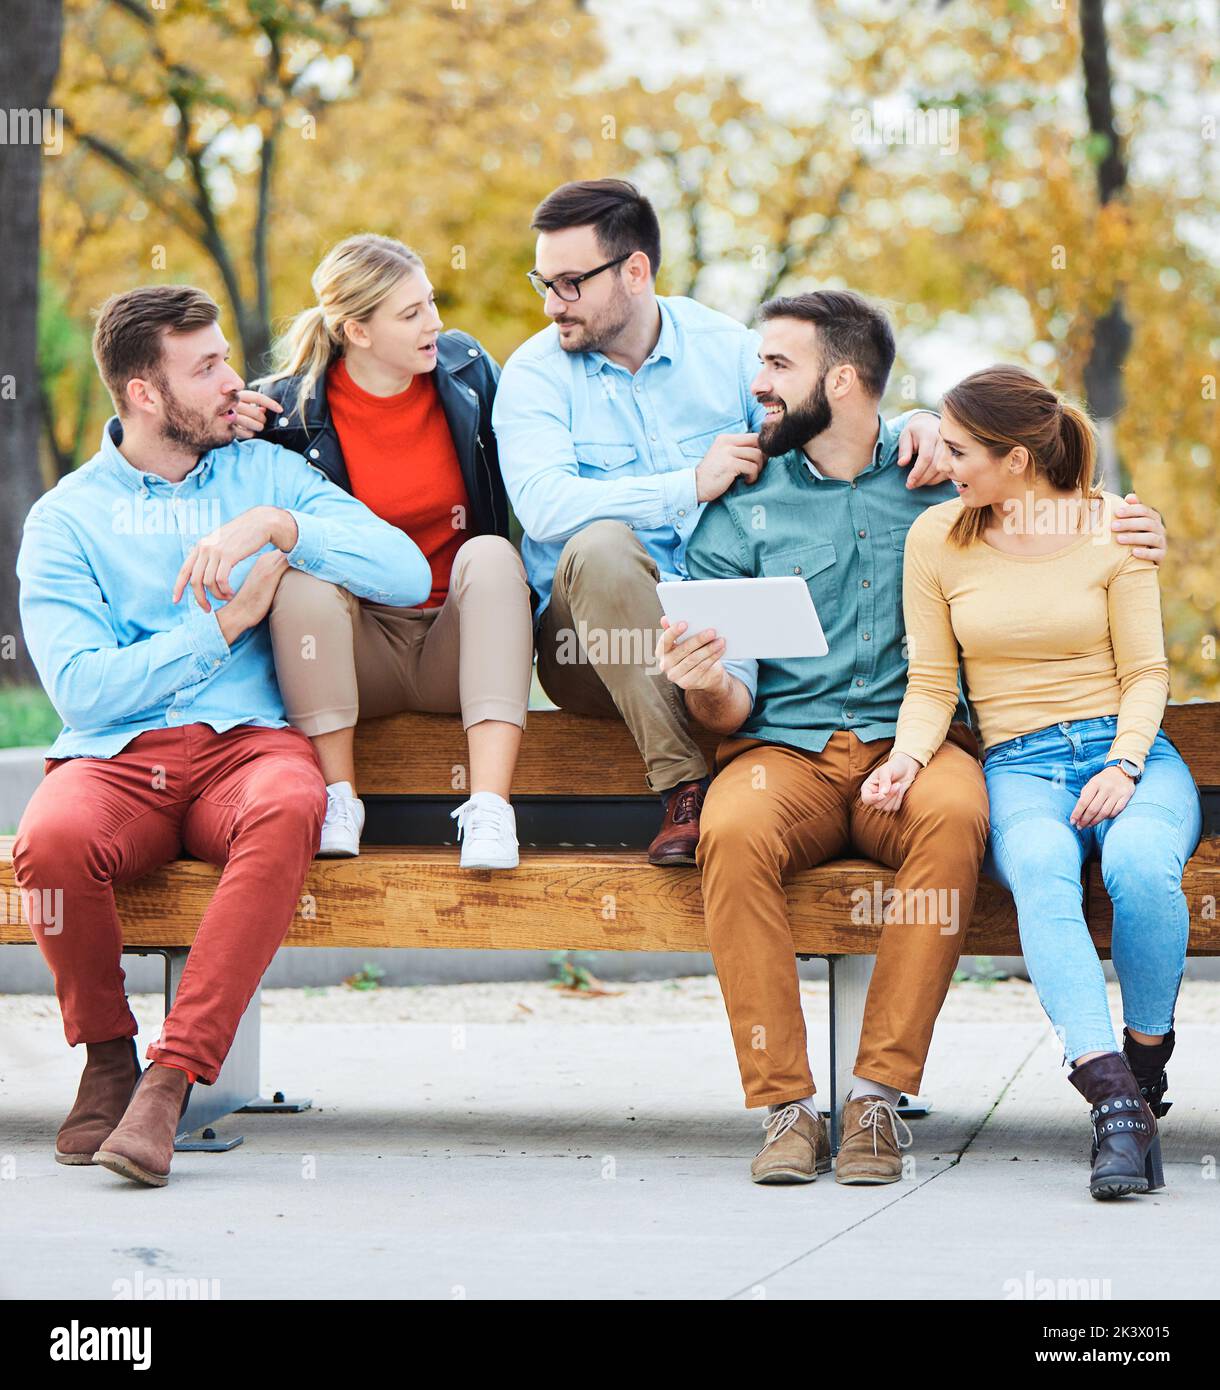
{"type": "Point", "coordinates": [849, 977]}
{"type": "Point", "coordinates": [236, 1089]}
{"type": "Point", "coordinates": [849, 981]}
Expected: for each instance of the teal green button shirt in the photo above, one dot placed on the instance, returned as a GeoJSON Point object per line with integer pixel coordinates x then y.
{"type": "Point", "coordinates": [845, 539]}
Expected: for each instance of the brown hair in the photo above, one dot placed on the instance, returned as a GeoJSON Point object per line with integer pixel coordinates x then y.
{"type": "Point", "coordinates": [1003, 407]}
{"type": "Point", "coordinates": [623, 219]}
{"type": "Point", "coordinates": [850, 329]}
{"type": "Point", "coordinates": [127, 341]}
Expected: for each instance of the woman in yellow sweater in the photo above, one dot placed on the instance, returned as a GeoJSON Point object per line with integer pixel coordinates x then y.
{"type": "Point", "coordinates": [1058, 633]}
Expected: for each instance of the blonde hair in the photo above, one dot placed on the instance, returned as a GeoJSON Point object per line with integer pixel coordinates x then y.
{"type": "Point", "coordinates": [351, 281]}
{"type": "Point", "coordinates": [1003, 407]}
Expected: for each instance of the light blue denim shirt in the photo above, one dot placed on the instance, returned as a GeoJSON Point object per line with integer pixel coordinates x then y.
{"type": "Point", "coordinates": [581, 439]}
{"type": "Point", "coordinates": [97, 566]}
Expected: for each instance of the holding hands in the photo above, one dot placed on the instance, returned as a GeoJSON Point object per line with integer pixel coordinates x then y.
{"type": "Point", "coordinates": [887, 784]}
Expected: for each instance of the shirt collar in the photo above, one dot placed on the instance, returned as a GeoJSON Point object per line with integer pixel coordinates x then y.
{"type": "Point", "coordinates": [129, 475]}
{"type": "Point", "coordinates": [884, 451]}
{"type": "Point", "coordinates": [667, 345]}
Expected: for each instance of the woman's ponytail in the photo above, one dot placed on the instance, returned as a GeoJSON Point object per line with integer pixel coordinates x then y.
{"type": "Point", "coordinates": [306, 349]}
{"type": "Point", "coordinates": [351, 280]}
{"type": "Point", "coordinates": [1079, 448]}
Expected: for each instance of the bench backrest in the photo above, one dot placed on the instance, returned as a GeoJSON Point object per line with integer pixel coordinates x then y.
{"type": "Point", "coordinates": [567, 756]}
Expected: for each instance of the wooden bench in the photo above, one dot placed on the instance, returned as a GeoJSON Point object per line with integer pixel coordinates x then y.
{"type": "Point", "coordinates": [584, 883]}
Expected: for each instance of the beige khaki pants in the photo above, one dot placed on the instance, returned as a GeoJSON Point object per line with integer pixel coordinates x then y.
{"type": "Point", "coordinates": [339, 657]}
{"type": "Point", "coordinates": [597, 649]}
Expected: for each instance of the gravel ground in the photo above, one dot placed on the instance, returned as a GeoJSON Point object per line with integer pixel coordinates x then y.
{"type": "Point", "coordinates": [693, 999]}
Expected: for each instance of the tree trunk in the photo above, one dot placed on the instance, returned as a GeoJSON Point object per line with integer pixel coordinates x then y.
{"type": "Point", "coordinates": [1103, 373]}
{"type": "Point", "coordinates": [29, 61]}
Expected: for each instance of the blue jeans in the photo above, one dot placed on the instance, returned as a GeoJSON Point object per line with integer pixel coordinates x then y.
{"type": "Point", "coordinates": [1033, 783]}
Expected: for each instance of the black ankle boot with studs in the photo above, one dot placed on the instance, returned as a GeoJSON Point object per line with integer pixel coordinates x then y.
{"type": "Point", "coordinates": [1148, 1062]}
{"type": "Point", "coordinates": [1127, 1148]}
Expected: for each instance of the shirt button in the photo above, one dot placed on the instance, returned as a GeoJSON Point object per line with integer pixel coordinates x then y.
{"type": "Point", "coordinates": [472, 352]}
{"type": "Point", "coordinates": [681, 511]}
{"type": "Point", "coordinates": [796, 569]}
{"type": "Point", "coordinates": [864, 584]}
{"type": "Point", "coordinates": [313, 453]}
{"type": "Point", "coordinates": [853, 487]}
{"type": "Point", "coordinates": [638, 389]}
{"type": "Point", "coordinates": [849, 714]}
{"type": "Point", "coordinates": [472, 391]}
{"type": "Point", "coordinates": [653, 438]}
{"type": "Point", "coordinates": [866, 637]}
{"type": "Point", "coordinates": [216, 662]}
{"type": "Point", "coordinates": [859, 682]}
{"type": "Point", "coordinates": [861, 534]}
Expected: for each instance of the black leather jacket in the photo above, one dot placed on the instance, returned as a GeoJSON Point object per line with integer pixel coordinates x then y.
{"type": "Point", "coordinates": [466, 378]}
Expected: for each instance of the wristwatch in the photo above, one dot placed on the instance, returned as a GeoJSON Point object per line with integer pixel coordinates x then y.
{"type": "Point", "coordinates": [1133, 770]}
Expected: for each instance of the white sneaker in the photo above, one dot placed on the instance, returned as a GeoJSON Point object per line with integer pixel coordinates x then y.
{"type": "Point", "coordinates": [487, 828]}
{"type": "Point", "coordinates": [343, 824]}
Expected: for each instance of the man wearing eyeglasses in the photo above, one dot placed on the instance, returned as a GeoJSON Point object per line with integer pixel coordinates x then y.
{"type": "Point", "coordinates": [615, 425]}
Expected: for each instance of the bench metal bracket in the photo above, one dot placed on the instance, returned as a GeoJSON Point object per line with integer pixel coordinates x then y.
{"type": "Point", "coordinates": [236, 1089]}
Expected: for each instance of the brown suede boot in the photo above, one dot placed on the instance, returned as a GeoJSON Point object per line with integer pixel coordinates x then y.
{"type": "Point", "coordinates": [870, 1147]}
{"type": "Point", "coordinates": [797, 1147]}
{"type": "Point", "coordinates": [111, 1072]}
{"type": "Point", "coordinates": [142, 1147]}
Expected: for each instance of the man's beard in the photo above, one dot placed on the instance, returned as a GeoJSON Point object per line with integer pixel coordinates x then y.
{"type": "Point", "coordinates": [193, 429]}
{"type": "Point", "coordinates": [599, 333]}
{"type": "Point", "coordinates": [798, 424]}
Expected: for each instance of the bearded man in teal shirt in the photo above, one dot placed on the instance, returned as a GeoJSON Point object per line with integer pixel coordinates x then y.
{"type": "Point", "coordinates": [833, 506]}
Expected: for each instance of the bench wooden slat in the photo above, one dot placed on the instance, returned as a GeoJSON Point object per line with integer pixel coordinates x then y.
{"type": "Point", "coordinates": [569, 755]}
{"type": "Point", "coordinates": [566, 899]}
{"type": "Point", "coordinates": [561, 755]}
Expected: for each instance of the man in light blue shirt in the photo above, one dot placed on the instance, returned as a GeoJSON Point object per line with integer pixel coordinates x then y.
{"type": "Point", "coordinates": [146, 577]}
{"type": "Point", "coordinates": [615, 426]}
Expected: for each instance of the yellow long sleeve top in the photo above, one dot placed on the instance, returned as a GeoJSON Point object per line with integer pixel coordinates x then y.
{"type": "Point", "coordinates": [1041, 639]}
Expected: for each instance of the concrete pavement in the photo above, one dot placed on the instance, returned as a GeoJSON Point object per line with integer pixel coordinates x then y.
{"type": "Point", "coordinates": [556, 1160]}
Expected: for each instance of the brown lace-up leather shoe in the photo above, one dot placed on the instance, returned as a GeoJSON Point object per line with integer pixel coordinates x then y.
{"type": "Point", "coordinates": [797, 1147]}
{"type": "Point", "coordinates": [142, 1147]}
{"type": "Point", "coordinates": [111, 1072]}
{"type": "Point", "coordinates": [870, 1150]}
{"type": "Point", "coordinates": [679, 833]}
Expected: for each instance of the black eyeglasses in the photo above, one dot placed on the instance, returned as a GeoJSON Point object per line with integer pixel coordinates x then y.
{"type": "Point", "coordinates": [567, 287]}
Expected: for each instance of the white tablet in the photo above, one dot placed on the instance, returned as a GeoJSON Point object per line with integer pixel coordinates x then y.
{"type": "Point", "coordinates": [768, 619]}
